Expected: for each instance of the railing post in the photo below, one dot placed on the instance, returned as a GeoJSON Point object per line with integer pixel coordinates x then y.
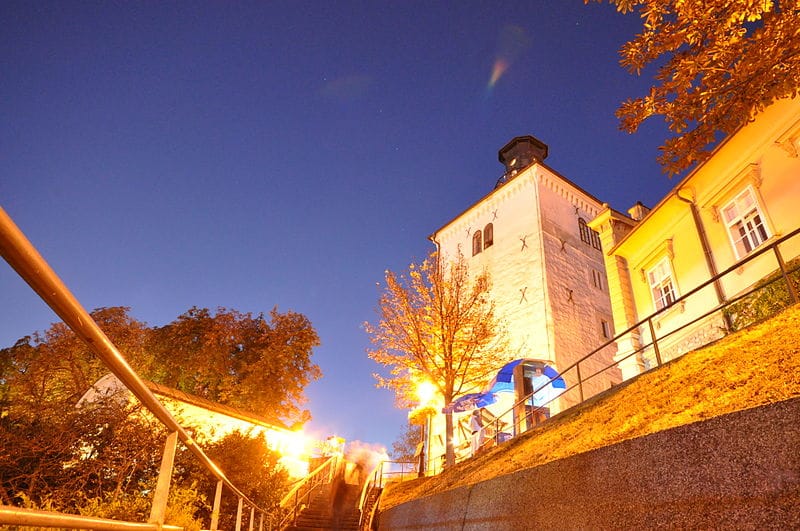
{"type": "Point", "coordinates": [260, 521]}
{"type": "Point", "coordinates": [252, 518]}
{"type": "Point", "coordinates": [580, 382]}
{"type": "Point", "coordinates": [158, 509]}
{"type": "Point", "coordinates": [215, 510]}
{"type": "Point", "coordinates": [239, 515]}
{"type": "Point", "coordinates": [655, 342]}
{"type": "Point", "coordinates": [294, 509]}
{"type": "Point", "coordinates": [789, 285]}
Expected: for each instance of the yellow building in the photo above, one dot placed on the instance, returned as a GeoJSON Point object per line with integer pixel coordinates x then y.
{"type": "Point", "coordinates": [744, 197]}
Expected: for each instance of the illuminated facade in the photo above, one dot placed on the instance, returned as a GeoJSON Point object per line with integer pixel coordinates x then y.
{"type": "Point", "coordinates": [210, 421]}
{"type": "Point", "coordinates": [546, 266]}
{"type": "Point", "coordinates": [746, 195]}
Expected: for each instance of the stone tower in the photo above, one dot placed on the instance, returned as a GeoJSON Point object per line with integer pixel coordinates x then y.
{"type": "Point", "coordinates": [546, 265]}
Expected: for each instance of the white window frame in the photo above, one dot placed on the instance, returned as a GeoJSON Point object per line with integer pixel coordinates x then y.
{"type": "Point", "coordinates": [663, 287]}
{"type": "Point", "coordinates": [745, 222]}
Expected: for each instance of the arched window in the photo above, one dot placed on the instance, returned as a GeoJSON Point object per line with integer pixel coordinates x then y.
{"type": "Point", "coordinates": [488, 235]}
{"type": "Point", "coordinates": [476, 243]}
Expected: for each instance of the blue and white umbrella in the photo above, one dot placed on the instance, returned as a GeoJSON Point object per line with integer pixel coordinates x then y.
{"type": "Point", "coordinates": [503, 381]}
{"type": "Point", "coordinates": [469, 402]}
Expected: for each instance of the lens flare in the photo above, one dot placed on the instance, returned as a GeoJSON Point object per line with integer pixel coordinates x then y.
{"type": "Point", "coordinates": [511, 43]}
{"type": "Point", "coordinates": [499, 68]}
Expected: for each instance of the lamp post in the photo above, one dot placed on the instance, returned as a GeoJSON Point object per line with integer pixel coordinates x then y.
{"type": "Point", "coordinates": [425, 392]}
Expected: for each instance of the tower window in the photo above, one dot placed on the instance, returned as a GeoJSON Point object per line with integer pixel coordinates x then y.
{"type": "Point", "coordinates": [488, 235]}
{"type": "Point", "coordinates": [588, 236]}
{"type": "Point", "coordinates": [476, 243]}
{"type": "Point", "coordinates": [597, 279]}
{"type": "Point", "coordinates": [605, 329]}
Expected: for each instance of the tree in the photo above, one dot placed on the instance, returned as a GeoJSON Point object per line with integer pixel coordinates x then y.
{"type": "Point", "coordinates": [404, 448]}
{"type": "Point", "coordinates": [720, 63]}
{"type": "Point", "coordinates": [43, 372]}
{"type": "Point", "coordinates": [79, 457]}
{"type": "Point", "coordinates": [437, 324]}
{"type": "Point", "coordinates": [239, 359]}
{"type": "Point", "coordinates": [102, 457]}
{"type": "Point", "coordinates": [229, 357]}
{"type": "Point", "coordinates": [249, 463]}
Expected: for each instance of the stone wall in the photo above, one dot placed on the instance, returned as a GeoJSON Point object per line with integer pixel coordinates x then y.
{"type": "Point", "coordinates": [737, 471]}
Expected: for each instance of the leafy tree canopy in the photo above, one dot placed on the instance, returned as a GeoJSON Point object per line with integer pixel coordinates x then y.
{"type": "Point", "coordinates": [102, 458]}
{"type": "Point", "coordinates": [437, 324]}
{"type": "Point", "coordinates": [258, 363]}
{"type": "Point", "coordinates": [46, 371]}
{"type": "Point", "coordinates": [249, 464]}
{"type": "Point", "coordinates": [404, 448]}
{"type": "Point", "coordinates": [720, 62]}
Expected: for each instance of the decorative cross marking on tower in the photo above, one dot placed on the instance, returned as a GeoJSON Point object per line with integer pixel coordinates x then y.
{"type": "Point", "coordinates": [494, 215]}
{"type": "Point", "coordinates": [569, 296]}
{"type": "Point", "coordinates": [523, 298]}
{"type": "Point", "coordinates": [524, 244]}
{"type": "Point", "coordinates": [576, 209]}
{"type": "Point", "coordinates": [469, 231]}
{"type": "Point", "coordinates": [563, 245]}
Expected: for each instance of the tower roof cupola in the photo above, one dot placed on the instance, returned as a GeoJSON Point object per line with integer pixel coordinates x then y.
{"type": "Point", "coordinates": [520, 152]}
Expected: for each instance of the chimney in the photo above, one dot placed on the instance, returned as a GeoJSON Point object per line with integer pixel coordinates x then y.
{"type": "Point", "coordinates": [638, 211]}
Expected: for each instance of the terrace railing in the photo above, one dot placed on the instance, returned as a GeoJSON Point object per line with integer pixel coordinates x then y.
{"type": "Point", "coordinates": [778, 290]}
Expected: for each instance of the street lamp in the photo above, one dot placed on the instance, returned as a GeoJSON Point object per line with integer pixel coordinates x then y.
{"type": "Point", "coordinates": [425, 392]}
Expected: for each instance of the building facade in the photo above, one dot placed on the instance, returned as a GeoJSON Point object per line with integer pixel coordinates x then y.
{"type": "Point", "coordinates": [546, 266]}
{"type": "Point", "coordinates": [743, 197]}
{"type": "Point", "coordinates": [211, 421]}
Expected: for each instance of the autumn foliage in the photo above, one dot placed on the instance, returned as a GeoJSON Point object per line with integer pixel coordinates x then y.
{"type": "Point", "coordinates": [437, 324]}
{"type": "Point", "coordinates": [719, 63]}
{"type": "Point", "coordinates": [102, 458]}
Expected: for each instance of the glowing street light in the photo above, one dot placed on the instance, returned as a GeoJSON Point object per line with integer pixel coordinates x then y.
{"type": "Point", "coordinates": [426, 391]}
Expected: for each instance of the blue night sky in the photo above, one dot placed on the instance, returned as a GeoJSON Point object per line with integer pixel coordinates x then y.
{"type": "Point", "coordinates": [163, 155]}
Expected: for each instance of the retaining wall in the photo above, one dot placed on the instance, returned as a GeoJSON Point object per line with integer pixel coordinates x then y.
{"type": "Point", "coordinates": [737, 471]}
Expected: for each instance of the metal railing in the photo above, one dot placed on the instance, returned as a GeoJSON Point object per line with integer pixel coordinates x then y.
{"type": "Point", "coordinates": [371, 484]}
{"type": "Point", "coordinates": [23, 257]}
{"type": "Point", "coordinates": [383, 473]}
{"type": "Point", "coordinates": [300, 495]}
{"type": "Point", "coordinates": [781, 273]}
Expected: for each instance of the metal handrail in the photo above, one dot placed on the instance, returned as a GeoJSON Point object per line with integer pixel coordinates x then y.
{"type": "Point", "coordinates": [365, 489]}
{"type": "Point", "coordinates": [377, 482]}
{"type": "Point", "coordinates": [366, 523]}
{"type": "Point", "coordinates": [23, 257]}
{"type": "Point", "coordinates": [38, 518]}
{"type": "Point", "coordinates": [311, 482]}
{"type": "Point", "coordinates": [384, 475]}
{"type": "Point", "coordinates": [772, 247]}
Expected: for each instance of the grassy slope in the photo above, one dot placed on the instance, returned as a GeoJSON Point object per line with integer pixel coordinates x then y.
{"type": "Point", "coordinates": [753, 367]}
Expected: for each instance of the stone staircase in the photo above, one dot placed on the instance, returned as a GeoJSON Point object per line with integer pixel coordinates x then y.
{"type": "Point", "coordinates": [321, 514]}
